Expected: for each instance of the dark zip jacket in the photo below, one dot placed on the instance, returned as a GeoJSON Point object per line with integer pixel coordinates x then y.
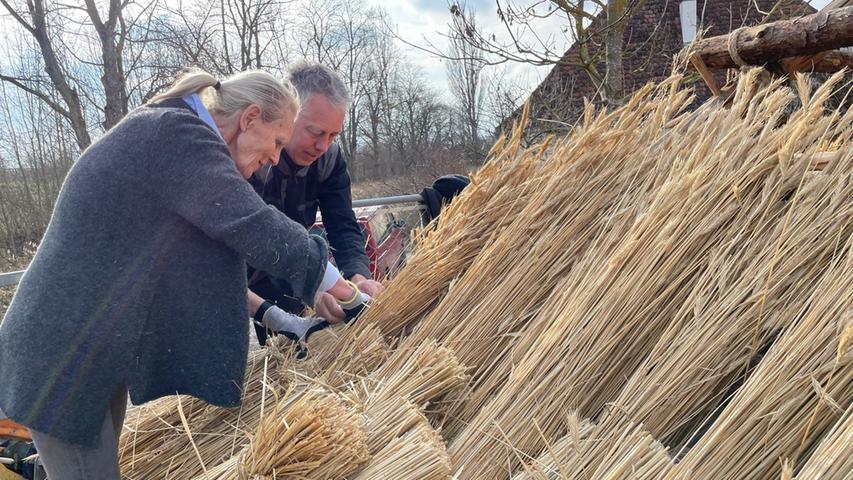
{"type": "Point", "coordinates": [325, 184]}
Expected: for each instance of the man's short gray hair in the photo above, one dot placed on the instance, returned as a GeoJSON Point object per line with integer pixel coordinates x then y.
{"type": "Point", "coordinates": [310, 77]}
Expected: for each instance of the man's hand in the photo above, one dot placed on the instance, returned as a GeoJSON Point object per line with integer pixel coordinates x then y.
{"type": "Point", "coordinates": [327, 307]}
{"type": "Point", "coordinates": [368, 286]}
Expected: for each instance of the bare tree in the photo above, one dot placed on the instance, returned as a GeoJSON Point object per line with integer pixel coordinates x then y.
{"type": "Point", "coordinates": [70, 106]}
{"type": "Point", "coordinates": [34, 156]}
{"type": "Point", "coordinates": [588, 24]}
{"type": "Point", "coordinates": [419, 124]}
{"type": "Point", "coordinates": [503, 97]}
{"type": "Point", "coordinates": [343, 36]}
{"type": "Point", "coordinates": [360, 29]}
{"type": "Point", "coordinates": [249, 30]}
{"type": "Point", "coordinates": [376, 107]}
{"type": "Point", "coordinates": [59, 30]}
{"type": "Point", "coordinates": [465, 78]}
{"type": "Point", "coordinates": [112, 33]}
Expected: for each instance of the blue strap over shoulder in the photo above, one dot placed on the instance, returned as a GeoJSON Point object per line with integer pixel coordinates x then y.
{"type": "Point", "coordinates": [194, 101]}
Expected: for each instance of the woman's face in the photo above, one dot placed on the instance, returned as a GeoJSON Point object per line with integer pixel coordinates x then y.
{"type": "Point", "coordinates": [258, 143]}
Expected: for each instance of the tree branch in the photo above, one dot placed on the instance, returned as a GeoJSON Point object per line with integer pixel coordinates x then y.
{"type": "Point", "coordinates": [18, 82]}
{"type": "Point", "coordinates": [17, 17]}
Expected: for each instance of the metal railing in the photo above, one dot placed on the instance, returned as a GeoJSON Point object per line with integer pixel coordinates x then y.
{"type": "Point", "coordinates": [12, 278]}
{"type": "Point", "coordinates": [373, 202]}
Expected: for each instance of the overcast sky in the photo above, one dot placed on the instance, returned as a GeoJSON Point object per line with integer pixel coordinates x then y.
{"type": "Point", "coordinates": [422, 21]}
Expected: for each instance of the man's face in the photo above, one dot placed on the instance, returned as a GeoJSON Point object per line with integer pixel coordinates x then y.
{"type": "Point", "coordinates": [318, 124]}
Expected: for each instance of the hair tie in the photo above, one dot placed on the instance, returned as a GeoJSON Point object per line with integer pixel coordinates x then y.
{"type": "Point", "coordinates": [217, 85]}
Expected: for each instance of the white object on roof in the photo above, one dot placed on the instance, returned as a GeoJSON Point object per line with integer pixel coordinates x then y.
{"type": "Point", "coordinates": [687, 11]}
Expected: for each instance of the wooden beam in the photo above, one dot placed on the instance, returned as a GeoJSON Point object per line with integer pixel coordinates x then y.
{"type": "Point", "coordinates": [824, 62]}
{"type": "Point", "coordinates": [837, 4]}
{"type": "Point", "coordinates": [706, 74]}
{"type": "Point", "coordinates": [816, 63]}
{"type": "Point", "coordinates": [761, 44]}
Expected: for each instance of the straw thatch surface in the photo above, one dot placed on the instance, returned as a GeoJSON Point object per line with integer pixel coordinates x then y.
{"type": "Point", "coordinates": [660, 294]}
{"type": "Point", "coordinates": [833, 457]}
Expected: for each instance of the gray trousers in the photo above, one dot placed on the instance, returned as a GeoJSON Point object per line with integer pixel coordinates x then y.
{"type": "Point", "coordinates": [65, 461]}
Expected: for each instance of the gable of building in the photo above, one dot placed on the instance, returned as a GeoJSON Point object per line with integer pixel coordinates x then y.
{"type": "Point", "coordinates": [655, 32]}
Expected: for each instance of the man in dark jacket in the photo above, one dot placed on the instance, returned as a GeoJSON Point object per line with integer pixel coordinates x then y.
{"type": "Point", "coordinates": [311, 175]}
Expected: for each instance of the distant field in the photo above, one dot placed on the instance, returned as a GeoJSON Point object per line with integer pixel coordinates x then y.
{"type": "Point", "coordinates": [5, 297]}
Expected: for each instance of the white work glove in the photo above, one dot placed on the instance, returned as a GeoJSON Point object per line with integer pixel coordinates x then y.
{"type": "Point", "coordinates": [290, 325]}
{"type": "Point", "coordinates": [330, 277]}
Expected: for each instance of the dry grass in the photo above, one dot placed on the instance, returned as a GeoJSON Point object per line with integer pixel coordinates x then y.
{"type": "Point", "coordinates": [660, 294]}
{"type": "Point", "coordinates": [316, 436]}
{"type": "Point", "coordinates": [156, 445]}
{"type": "Point", "coordinates": [6, 294]}
{"type": "Point", "coordinates": [833, 457]}
{"type": "Point", "coordinates": [418, 454]}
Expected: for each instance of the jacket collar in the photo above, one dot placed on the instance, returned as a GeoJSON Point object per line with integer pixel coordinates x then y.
{"type": "Point", "coordinates": [290, 169]}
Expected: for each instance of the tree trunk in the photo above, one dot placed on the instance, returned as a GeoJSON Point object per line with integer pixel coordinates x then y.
{"type": "Point", "coordinates": [57, 76]}
{"type": "Point", "coordinates": [826, 30]}
{"type": "Point", "coordinates": [817, 63]}
{"type": "Point", "coordinates": [613, 44]}
{"type": "Point", "coordinates": [113, 80]}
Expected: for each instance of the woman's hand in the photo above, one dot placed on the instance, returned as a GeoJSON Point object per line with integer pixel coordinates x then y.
{"type": "Point", "coordinates": [327, 307]}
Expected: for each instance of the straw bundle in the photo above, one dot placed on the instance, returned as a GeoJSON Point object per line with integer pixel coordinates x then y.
{"type": "Point", "coordinates": [341, 357]}
{"type": "Point", "coordinates": [227, 470]}
{"type": "Point", "coordinates": [390, 418]}
{"type": "Point", "coordinates": [424, 375]}
{"type": "Point", "coordinates": [634, 455]}
{"type": "Point", "coordinates": [800, 388]}
{"type": "Point", "coordinates": [576, 320]}
{"type": "Point", "coordinates": [492, 301]}
{"type": "Point", "coordinates": [316, 436]}
{"type": "Point", "coordinates": [313, 434]}
{"type": "Point", "coordinates": [833, 458]}
{"type": "Point", "coordinates": [583, 204]}
{"type": "Point", "coordinates": [450, 245]}
{"type": "Point", "coordinates": [616, 303]}
{"type": "Point", "coordinates": [782, 246]}
{"type": "Point", "coordinates": [155, 443]}
{"type": "Point", "coordinates": [550, 463]}
{"type": "Point", "coordinates": [393, 396]}
{"type": "Point", "coordinates": [419, 454]}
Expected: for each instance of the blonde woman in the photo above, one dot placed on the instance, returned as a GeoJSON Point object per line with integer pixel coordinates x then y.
{"type": "Point", "coordinates": [139, 284]}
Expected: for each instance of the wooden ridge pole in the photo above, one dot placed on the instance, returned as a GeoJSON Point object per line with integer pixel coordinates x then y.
{"type": "Point", "coordinates": [826, 30]}
{"type": "Point", "coordinates": [824, 62]}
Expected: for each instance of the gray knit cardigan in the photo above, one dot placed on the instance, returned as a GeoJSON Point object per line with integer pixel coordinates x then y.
{"type": "Point", "coordinates": [141, 277]}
